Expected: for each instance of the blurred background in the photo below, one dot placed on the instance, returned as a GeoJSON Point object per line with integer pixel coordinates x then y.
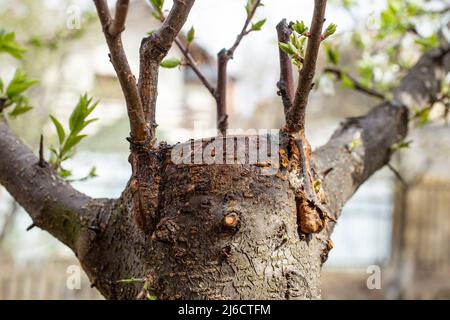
{"type": "Point", "coordinates": [399, 220]}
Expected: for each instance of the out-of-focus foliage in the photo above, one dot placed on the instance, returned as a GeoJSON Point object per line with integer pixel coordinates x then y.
{"type": "Point", "coordinates": [9, 45]}
{"type": "Point", "coordinates": [42, 29]}
{"type": "Point", "coordinates": [391, 41]}
{"type": "Point", "coordinates": [12, 96]}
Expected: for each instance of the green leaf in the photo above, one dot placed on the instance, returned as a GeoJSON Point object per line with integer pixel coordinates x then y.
{"type": "Point", "coordinates": [151, 297]}
{"type": "Point", "coordinates": [333, 56]}
{"type": "Point", "coordinates": [347, 82]}
{"type": "Point", "coordinates": [157, 5]}
{"type": "Point", "coordinates": [354, 144]}
{"type": "Point", "coordinates": [423, 117]}
{"type": "Point", "coordinates": [20, 109]}
{"type": "Point", "coordinates": [258, 25]}
{"type": "Point", "coordinates": [317, 185]}
{"type": "Point", "coordinates": [170, 63]}
{"type": "Point", "coordinates": [287, 48]}
{"type": "Point", "coordinates": [1, 86]}
{"type": "Point", "coordinates": [250, 6]}
{"type": "Point", "coordinates": [59, 129]}
{"type": "Point", "coordinates": [190, 35]}
{"type": "Point", "coordinates": [53, 150]}
{"type": "Point", "coordinates": [83, 109]}
{"type": "Point", "coordinates": [428, 43]}
{"type": "Point", "coordinates": [9, 45]}
{"type": "Point", "coordinates": [330, 30]}
{"type": "Point", "coordinates": [64, 173]}
{"type": "Point", "coordinates": [70, 143]}
{"type": "Point", "coordinates": [93, 172]}
{"type": "Point", "coordinates": [300, 27]}
{"type": "Point", "coordinates": [157, 15]}
{"type": "Point", "coordinates": [401, 145]}
{"type": "Point", "coordinates": [19, 84]}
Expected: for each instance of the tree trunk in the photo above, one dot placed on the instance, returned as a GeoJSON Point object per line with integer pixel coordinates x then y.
{"type": "Point", "coordinates": [224, 231]}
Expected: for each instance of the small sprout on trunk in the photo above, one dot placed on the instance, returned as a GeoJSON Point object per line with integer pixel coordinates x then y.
{"type": "Point", "coordinates": [422, 117]}
{"type": "Point", "coordinates": [401, 145]}
{"type": "Point", "coordinates": [354, 144]}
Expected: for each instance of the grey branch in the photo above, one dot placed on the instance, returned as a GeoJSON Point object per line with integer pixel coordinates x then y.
{"type": "Point", "coordinates": [385, 125]}
{"type": "Point", "coordinates": [356, 84]}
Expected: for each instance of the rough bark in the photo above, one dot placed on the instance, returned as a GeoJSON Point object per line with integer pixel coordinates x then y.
{"type": "Point", "coordinates": [180, 243]}
{"type": "Point", "coordinates": [192, 254]}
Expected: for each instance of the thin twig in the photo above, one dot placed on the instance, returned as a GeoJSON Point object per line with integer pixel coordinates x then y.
{"type": "Point", "coordinates": [356, 84]}
{"type": "Point", "coordinates": [397, 174]}
{"type": "Point", "coordinates": [224, 56]}
{"type": "Point", "coordinates": [191, 63]}
{"type": "Point", "coordinates": [244, 30]}
{"type": "Point", "coordinates": [2, 104]}
{"type": "Point", "coordinates": [286, 83]}
{"type": "Point", "coordinates": [296, 117]}
{"type": "Point", "coordinates": [41, 152]}
{"type": "Point", "coordinates": [118, 24]}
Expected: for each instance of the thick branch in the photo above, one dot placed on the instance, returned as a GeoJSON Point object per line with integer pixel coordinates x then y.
{"type": "Point", "coordinates": [296, 118]}
{"type": "Point", "coordinates": [52, 203]}
{"type": "Point", "coordinates": [139, 131]}
{"type": "Point", "coordinates": [153, 49]}
{"type": "Point", "coordinates": [356, 84]}
{"type": "Point", "coordinates": [343, 170]}
{"type": "Point", "coordinates": [286, 83]}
